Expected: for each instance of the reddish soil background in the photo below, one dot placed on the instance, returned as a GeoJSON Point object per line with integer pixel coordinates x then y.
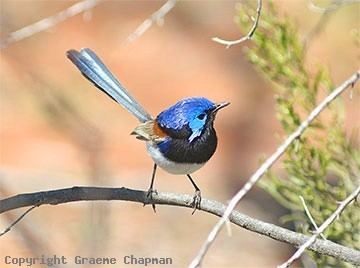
{"type": "Point", "coordinates": [57, 130]}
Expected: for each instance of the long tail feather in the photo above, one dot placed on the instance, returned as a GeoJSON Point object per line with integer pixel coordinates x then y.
{"type": "Point", "coordinates": [95, 70]}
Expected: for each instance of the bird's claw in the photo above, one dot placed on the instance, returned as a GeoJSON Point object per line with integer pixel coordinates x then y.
{"type": "Point", "coordinates": [149, 195]}
{"type": "Point", "coordinates": [196, 201]}
{"type": "Point", "coordinates": [150, 192]}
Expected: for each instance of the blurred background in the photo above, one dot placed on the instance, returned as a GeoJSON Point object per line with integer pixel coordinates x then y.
{"type": "Point", "coordinates": [57, 130]}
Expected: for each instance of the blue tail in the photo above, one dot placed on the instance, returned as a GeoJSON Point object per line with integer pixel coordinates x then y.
{"type": "Point", "coordinates": [95, 70]}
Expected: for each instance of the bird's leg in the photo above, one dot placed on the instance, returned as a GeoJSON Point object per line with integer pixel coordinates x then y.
{"type": "Point", "coordinates": [151, 190]}
{"type": "Point", "coordinates": [197, 196]}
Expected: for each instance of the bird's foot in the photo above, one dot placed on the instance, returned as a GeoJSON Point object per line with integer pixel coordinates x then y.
{"type": "Point", "coordinates": [196, 201]}
{"type": "Point", "coordinates": [149, 195]}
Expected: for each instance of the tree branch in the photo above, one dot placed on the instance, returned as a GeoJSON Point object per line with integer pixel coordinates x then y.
{"type": "Point", "coordinates": [67, 195]}
{"type": "Point", "coordinates": [322, 228]}
{"type": "Point", "coordinates": [229, 43]}
{"type": "Point", "coordinates": [156, 17]}
{"type": "Point", "coordinates": [48, 22]}
{"type": "Point", "coordinates": [268, 164]}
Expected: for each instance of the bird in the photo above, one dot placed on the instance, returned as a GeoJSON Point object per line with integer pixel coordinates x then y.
{"type": "Point", "coordinates": [180, 139]}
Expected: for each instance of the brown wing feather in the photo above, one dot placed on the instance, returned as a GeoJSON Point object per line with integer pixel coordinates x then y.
{"type": "Point", "coordinates": [149, 131]}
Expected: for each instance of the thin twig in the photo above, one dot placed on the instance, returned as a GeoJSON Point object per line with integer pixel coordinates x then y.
{"type": "Point", "coordinates": [322, 228]}
{"type": "Point", "coordinates": [307, 211]}
{"type": "Point", "coordinates": [60, 196]}
{"type": "Point", "coordinates": [267, 165]}
{"type": "Point", "coordinates": [229, 43]}
{"type": "Point", "coordinates": [48, 22]}
{"type": "Point", "coordinates": [327, 12]}
{"type": "Point", "coordinates": [334, 5]}
{"type": "Point", "coordinates": [31, 239]}
{"type": "Point", "coordinates": [321, 23]}
{"type": "Point", "coordinates": [17, 220]}
{"type": "Point", "coordinates": [156, 17]}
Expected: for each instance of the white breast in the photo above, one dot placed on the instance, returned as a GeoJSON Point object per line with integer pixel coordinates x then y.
{"type": "Point", "coordinates": [168, 165]}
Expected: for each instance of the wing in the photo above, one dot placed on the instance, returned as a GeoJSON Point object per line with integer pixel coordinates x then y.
{"type": "Point", "coordinates": [149, 131]}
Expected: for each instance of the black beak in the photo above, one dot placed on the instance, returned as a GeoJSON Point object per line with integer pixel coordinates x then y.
{"type": "Point", "coordinates": [219, 106]}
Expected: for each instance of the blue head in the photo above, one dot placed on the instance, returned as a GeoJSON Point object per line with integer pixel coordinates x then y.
{"type": "Point", "coordinates": [189, 117]}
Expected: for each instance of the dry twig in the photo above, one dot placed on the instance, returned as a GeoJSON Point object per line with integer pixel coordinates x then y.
{"type": "Point", "coordinates": [229, 43]}
{"type": "Point", "coordinates": [327, 12]}
{"type": "Point", "coordinates": [156, 17]}
{"type": "Point", "coordinates": [268, 164]}
{"type": "Point", "coordinates": [48, 22]}
{"type": "Point", "coordinates": [307, 211]}
{"type": "Point", "coordinates": [17, 220]}
{"type": "Point", "coordinates": [322, 228]}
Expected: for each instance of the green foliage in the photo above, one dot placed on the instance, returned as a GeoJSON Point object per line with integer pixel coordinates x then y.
{"type": "Point", "coordinates": [323, 166]}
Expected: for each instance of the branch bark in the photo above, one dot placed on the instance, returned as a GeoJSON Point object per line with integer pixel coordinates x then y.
{"type": "Point", "coordinates": [67, 195]}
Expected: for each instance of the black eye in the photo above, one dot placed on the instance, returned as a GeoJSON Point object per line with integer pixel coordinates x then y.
{"type": "Point", "coordinates": [201, 116]}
